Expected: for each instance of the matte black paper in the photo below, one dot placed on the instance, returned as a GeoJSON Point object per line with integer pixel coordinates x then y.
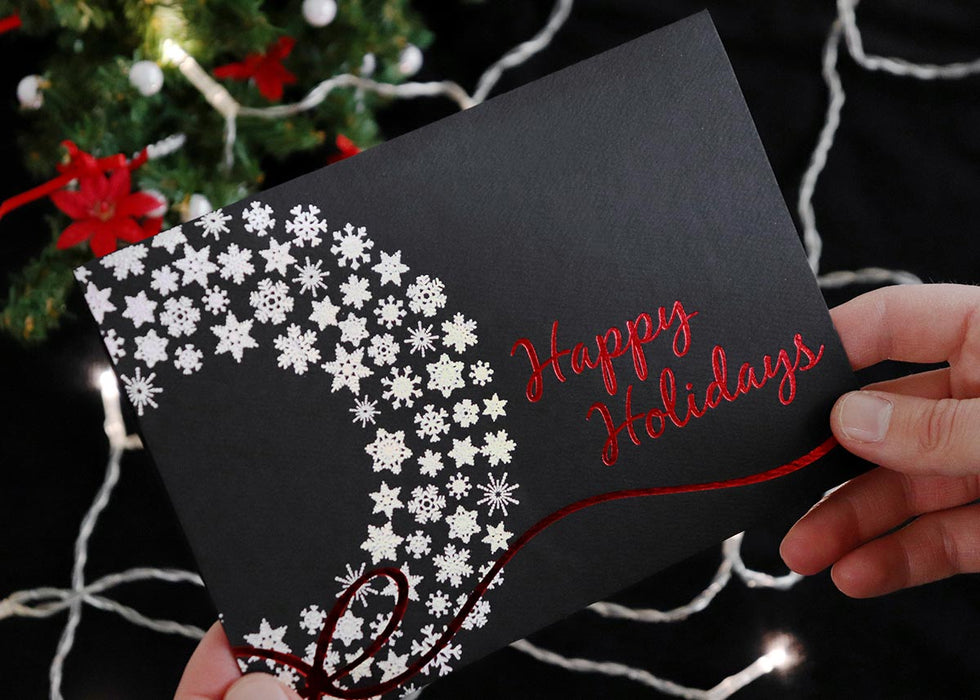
{"type": "Point", "coordinates": [585, 294]}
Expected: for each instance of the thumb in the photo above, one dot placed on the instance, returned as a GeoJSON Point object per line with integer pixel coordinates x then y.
{"type": "Point", "coordinates": [908, 433]}
{"type": "Point", "coordinates": [259, 686]}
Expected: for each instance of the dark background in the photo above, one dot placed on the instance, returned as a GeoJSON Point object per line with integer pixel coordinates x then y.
{"type": "Point", "coordinates": [898, 192]}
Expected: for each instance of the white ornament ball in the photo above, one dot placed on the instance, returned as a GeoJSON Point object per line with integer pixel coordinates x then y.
{"type": "Point", "coordinates": [160, 210]}
{"type": "Point", "coordinates": [410, 60]}
{"type": "Point", "coordinates": [319, 13]}
{"type": "Point", "coordinates": [368, 65]}
{"type": "Point", "coordinates": [29, 92]}
{"type": "Point", "coordinates": [197, 206]}
{"type": "Point", "coordinates": [146, 77]}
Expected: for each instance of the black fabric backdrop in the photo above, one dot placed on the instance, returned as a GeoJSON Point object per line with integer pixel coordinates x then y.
{"type": "Point", "coordinates": [897, 192]}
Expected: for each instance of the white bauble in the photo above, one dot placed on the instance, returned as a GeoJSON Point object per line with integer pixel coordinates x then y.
{"type": "Point", "coordinates": [146, 77]}
{"type": "Point", "coordinates": [368, 65]}
{"type": "Point", "coordinates": [319, 13]}
{"type": "Point", "coordinates": [160, 210]}
{"type": "Point", "coordinates": [410, 60]}
{"type": "Point", "coordinates": [29, 91]}
{"type": "Point", "coordinates": [197, 206]}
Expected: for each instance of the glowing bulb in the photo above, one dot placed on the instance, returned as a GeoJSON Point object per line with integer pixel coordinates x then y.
{"type": "Point", "coordinates": [107, 384]}
{"type": "Point", "coordinates": [781, 653]}
{"type": "Point", "coordinates": [171, 52]}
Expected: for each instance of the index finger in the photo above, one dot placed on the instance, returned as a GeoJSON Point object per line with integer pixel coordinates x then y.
{"type": "Point", "coordinates": [210, 670]}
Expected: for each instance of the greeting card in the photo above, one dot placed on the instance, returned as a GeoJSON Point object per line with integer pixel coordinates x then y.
{"type": "Point", "coordinates": [420, 403]}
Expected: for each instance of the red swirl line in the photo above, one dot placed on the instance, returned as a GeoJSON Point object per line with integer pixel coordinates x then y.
{"type": "Point", "coordinates": [320, 683]}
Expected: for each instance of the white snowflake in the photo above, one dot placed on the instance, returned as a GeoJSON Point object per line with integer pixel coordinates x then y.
{"type": "Point", "coordinates": [390, 267]}
{"type": "Point", "coordinates": [494, 407]}
{"type": "Point", "coordinates": [394, 665]}
{"type": "Point", "coordinates": [82, 274]}
{"type": "Point", "coordinates": [98, 301]}
{"type": "Point", "coordinates": [481, 373]}
{"type": "Point", "coordinates": [234, 336]}
{"type": "Point", "coordinates": [466, 413]}
{"type": "Point", "coordinates": [497, 448]}
{"type": "Point", "coordinates": [422, 339]}
{"type": "Point", "coordinates": [348, 369]}
{"type": "Point", "coordinates": [402, 387]}
{"type": "Point", "coordinates": [352, 246]}
{"type": "Point", "coordinates": [426, 503]}
{"type": "Point", "coordinates": [271, 301]}
{"type": "Point", "coordinates": [355, 291]}
{"type": "Point", "coordinates": [236, 263]}
{"type": "Point", "coordinates": [438, 604]}
{"type": "Point", "coordinates": [114, 344]}
{"type": "Point", "coordinates": [362, 670]}
{"type": "Point", "coordinates": [309, 277]}
{"type": "Point", "coordinates": [386, 500]}
{"type": "Point", "coordinates": [287, 676]}
{"type": "Point", "coordinates": [478, 615]}
{"type": "Point", "coordinates": [196, 265]}
{"type": "Point", "coordinates": [139, 309]}
{"type": "Point", "coordinates": [348, 628]}
{"type": "Point", "coordinates": [365, 411]}
{"type": "Point", "coordinates": [498, 494]}
{"type": "Point", "coordinates": [169, 239]}
{"type": "Point", "coordinates": [277, 256]}
{"type": "Point", "coordinates": [151, 348]}
{"type": "Point", "coordinates": [388, 451]}
{"type": "Point", "coordinates": [430, 463]}
{"type": "Point", "coordinates": [432, 423]}
{"type": "Point", "coordinates": [390, 312]}
{"type": "Point", "coordinates": [445, 375]}
{"type": "Point", "coordinates": [497, 537]}
{"type": "Point", "coordinates": [458, 486]}
{"type": "Point", "coordinates": [453, 565]}
{"type": "Point", "coordinates": [125, 261]}
{"type": "Point", "coordinates": [214, 223]}
{"type": "Point", "coordinates": [462, 524]}
{"type": "Point", "coordinates": [426, 295]}
{"type": "Point", "coordinates": [268, 638]}
{"type": "Point", "coordinates": [441, 663]}
{"type": "Point", "coordinates": [353, 330]}
{"type": "Point", "coordinates": [188, 359]}
{"type": "Point", "coordinates": [382, 619]}
{"type": "Point", "coordinates": [382, 543]}
{"type": "Point", "coordinates": [306, 225]}
{"type": "Point", "coordinates": [458, 334]}
{"type": "Point", "coordinates": [392, 590]}
{"type": "Point", "coordinates": [324, 313]}
{"type": "Point", "coordinates": [463, 452]}
{"type": "Point", "coordinates": [180, 316]}
{"type": "Point", "coordinates": [215, 300]}
{"type": "Point", "coordinates": [258, 218]}
{"type": "Point", "coordinates": [140, 390]}
{"type": "Point", "coordinates": [498, 578]}
{"type": "Point", "coordinates": [418, 544]}
{"type": "Point", "coordinates": [347, 581]}
{"type": "Point", "coordinates": [165, 280]}
{"type": "Point", "coordinates": [296, 349]}
{"type": "Point", "coordinates": [383, 349]}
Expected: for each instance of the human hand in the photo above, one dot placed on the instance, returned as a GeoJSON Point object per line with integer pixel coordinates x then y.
{"type": "Point", "coordinates": [912, 520]}
{"type": "Point", "coordinates": [213, 674]}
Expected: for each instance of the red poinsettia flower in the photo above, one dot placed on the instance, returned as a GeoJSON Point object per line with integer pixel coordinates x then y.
{"type": "Point", "coordinates": [265, 68]}
{"type": "Point", "coordinates": [345, 147]}
{"type": "Point", "coordinates": [104, 209]}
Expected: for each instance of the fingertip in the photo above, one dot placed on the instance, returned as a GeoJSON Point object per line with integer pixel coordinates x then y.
{"type": "Point", "coordinates": [858, 577]}
{"type": "Point", "coordinates": [797, 553]}
{"type": "Point", "coordinates": [258, 686]}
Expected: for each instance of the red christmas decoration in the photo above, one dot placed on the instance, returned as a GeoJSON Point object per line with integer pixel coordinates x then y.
{"type": "Point", "coordinates": [265, 68]}
{"type": "Point", "coordinates": [9, 23]}
{"type": "Point", "coordinates": [346, 148]}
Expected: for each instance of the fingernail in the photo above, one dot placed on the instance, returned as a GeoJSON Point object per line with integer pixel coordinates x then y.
{"type": "Point", "coordinates": [864, 416]}
{"type": "Point", "coordinates": [257, 686]}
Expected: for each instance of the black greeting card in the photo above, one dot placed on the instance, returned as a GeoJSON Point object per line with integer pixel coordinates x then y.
{"type": "Point", "coordinates": [425, 401]}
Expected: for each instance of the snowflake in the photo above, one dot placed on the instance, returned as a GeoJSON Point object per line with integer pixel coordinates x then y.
{"type": "Point", "coordinates": [494, 407]}
{"type": "Point", "coordinates": [388, 451]}
{"type": "Point", "coordinates": [497, 448]}
{"type": "Point", "coordinates": [413, 582]}
{"type": "Point", "coordinates": [215, 300]}
{"type": "Point", "coordinates": [151, 348]}
{"type": "Point", "coordinates": [445, 375]}
{"type": "Point", "coordinates": [458, 486]}
{"type": "Point", "coordinates": [390, 312]}
{"type": "Point", "coordinates": [498, 578]}
{"type": "Point", "coordinates": [236, 263]}
{"type": "Point", "coordinates": [296, 349]}
{"type": "Point", "coordinates": [418, 544]}
{"type": "Point", "coordinates": [139, 309]}
{"type": "Point", "coordinates": [394, 665]}
{"type": "Point", "coordinates": [305, 225]}
{"type": "Point", "coordinates": [430, 463]}
{"type": "Point", "coordinates": [311, 619]}
{"type": "Point", "coordinates": [432, 423]}
{"type": "Point", "coordinates": [277, 256]}
{"type": "Point", "coordinates": [165, 280]}
{"type": "Point", "coordinates": [324, 313]}
{"type": "Point", "coordinates": [287, 676]}
{"type": "Point", "coordinates": [441, 661]}
{"type": "Point", "coordinates": [382, 543]}
{"type": "Point", "coordinates": [353, 330]}
{"type": "Point", "coordinates": [365, 411]}
{"type": "Point", "coordinates": [425, 295]}
{"type": "Point", "coordinates": [386, 500]}
{"type": "Point", "coordinates": [481, 373]}
{"type": "Point", "coordinates": [169, 239]}
{"type": "Point", "coordinates": [355, 291]}
{"type": "Point", "coordinates": [269, 639]}
{"type": "Point", "coordinates": [352, 246]}
{"type": "Point", "coordinates": [478, 615]}
{"type": "Point", "coordinates": [466, 413]}
{"type": "Point", "coordinates": [362, 670]}
{"type": "Point", "coordinates": [258, 218]}
{"type": "Point", "coordinates": [497, 537]}
{"type": "Point", "coordinates": [347, 581]}
{"type": "Point", "coordinates": [98, 301]}
{"type": "Point", "coordinates": [391, 268]}
{"type": "Point", "coordinates": [271, 301]}
{"type": "Point", "coordinates": [141, 391]}
{"type": "Point", "coordinates": [402, 387]}
{"type": "Point", "coordinates": [234, 337]}
{"type": "Point", "coordinates": [213, 223]}
{"type": "Point", "coordinates": [438, 604]}
{"type": "Point", "coordinates": [125, 261]}
{"type": "Point", "coordinates": [188, 359]}
{"type": "Point", "coordinates": [381, 621]}
{"type": "Point", "coordinates": [452, 565]}
{"type": "Point", "coordinates": [114, 344]}
{"type": "Point", "coordinates": [180, 316]}
{"type": "Point", "coordinates": [462, 524]}
{"type": "Point", "coordinates": [458, 333]}
{"type": "Point", "coordinates": [348, 628]}
{"type": "Point", "coordinates": [497, 494]}
{"type": "Point", "coordinates": [348, 369]}
{"type": "Point", "coordinates": [383, 349]}
{"type": "Point", "coordinates": [463, 452]}
{"type": "Point", "coordinates": [196, 265]}
{"type": "Point", "coordinates": [426, 504]}
{"type": "Point", "coordinates": [309, 277]}
{"type": "Point", "coordinates": [422, 339]}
